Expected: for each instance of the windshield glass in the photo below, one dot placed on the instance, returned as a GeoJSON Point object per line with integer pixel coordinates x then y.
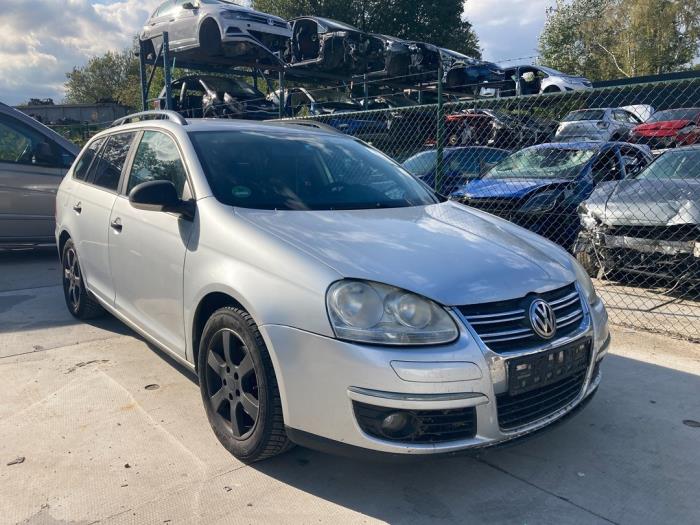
{"type": "Point", "coordinates": [553, 72]}
{"type": "Point", "coordinates": [541, 163]}
{"type": "Point", "coordinates": [682, 164]}
{"type": "Point", "coordinates": [675, 114]}
{"type": "Point", "coordinates": [585, 114]}
{"type": "Point", "coordinates": [275, 170]}
{"type": "Point", "coordinates": [232, 86]}
{"type": "Point", "coordinates": [421, 164]}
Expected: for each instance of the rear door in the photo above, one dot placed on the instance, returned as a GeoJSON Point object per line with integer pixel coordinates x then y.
{"type": "Point", "coordinates": [147, 248]}
{"type": "Point", "coordinates": [31, 168]}
{"type": "Point", "coordinates": [159, 22]}
{"type": "Point", "coordinates": [91, 203]}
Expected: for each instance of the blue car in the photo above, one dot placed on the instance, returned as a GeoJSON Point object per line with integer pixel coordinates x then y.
{"type": "Point", "coordinates": [540, 187]}
{"type": "Point", "coordinates": [460, 165]}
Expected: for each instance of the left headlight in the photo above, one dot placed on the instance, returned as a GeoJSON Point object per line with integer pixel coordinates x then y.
{"type": "Point", "coordinates": [584, 281]}
{"type": "Point", "coordinates": [369, 312]}
{"type": "Point", "coordinates": [541, 202]}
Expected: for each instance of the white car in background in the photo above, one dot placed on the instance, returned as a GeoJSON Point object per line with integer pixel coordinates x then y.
{"type": "Point", "coordinates": [215, 27]}
{"type": "Point", "coordinates": [604, 124]}
{"type": "Point", "coordinates": [537, 80]}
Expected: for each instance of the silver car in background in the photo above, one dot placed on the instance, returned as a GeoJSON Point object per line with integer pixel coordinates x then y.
{"type": "Point", "coordinates": [597, 124]}
{"type": "Point", "coordinates": [324, 296]}
{"type": "Point", "coordinates": [33, 160]}
{"type": "Point", "coordinates": [212, 25]}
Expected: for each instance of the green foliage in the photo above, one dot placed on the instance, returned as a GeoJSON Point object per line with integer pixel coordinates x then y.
{"type": "Point", "coordinates": [435, 21]}
{"type": "Point", "coordinates": [605, 39]}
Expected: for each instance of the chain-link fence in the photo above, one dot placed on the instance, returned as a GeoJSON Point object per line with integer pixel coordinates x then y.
{"type": "Point", "coordinates": [612, 175]}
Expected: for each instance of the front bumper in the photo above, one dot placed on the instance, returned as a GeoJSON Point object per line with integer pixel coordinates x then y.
{"type": "Point", "coordinates": [320, 378]}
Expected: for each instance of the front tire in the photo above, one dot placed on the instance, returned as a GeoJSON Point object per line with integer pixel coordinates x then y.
{"type": "Point", "coordinates": [78, 300]}
{"type": "Point", "coordinates": [239, 387]}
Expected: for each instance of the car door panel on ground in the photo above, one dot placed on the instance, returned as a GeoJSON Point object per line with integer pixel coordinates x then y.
{"type": "Point", "coordinates": [31, 167]}
{"type": "Point", "coordinates": [92, 205]}
{"type": "Point", "coordinates": [147, 248]}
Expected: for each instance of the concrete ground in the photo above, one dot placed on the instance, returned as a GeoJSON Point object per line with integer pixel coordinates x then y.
{"type": "Point", "coordinates": [102, 444]}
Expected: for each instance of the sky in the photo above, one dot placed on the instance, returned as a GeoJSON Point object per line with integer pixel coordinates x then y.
{"type": "Point", "coordinates": [44, 39]}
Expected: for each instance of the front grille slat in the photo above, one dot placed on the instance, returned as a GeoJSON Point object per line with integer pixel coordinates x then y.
{"type": "Point", "coordinates": [503, 324]}
{"type": "Point", "coordinates": [522, 408]}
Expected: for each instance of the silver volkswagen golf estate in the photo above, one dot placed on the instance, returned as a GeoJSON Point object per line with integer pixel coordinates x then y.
{"type": "Point", "coordinates": [324, 296]}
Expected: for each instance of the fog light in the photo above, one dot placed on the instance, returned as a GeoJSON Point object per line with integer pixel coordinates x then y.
{"type": "Point", "coordinates": [398, 425]}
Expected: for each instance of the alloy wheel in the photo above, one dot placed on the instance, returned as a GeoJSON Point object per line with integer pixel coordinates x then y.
{"type": "Point", "coordinates": [72, 279]}
{"type": "Point", "coordinates": [232, 383]}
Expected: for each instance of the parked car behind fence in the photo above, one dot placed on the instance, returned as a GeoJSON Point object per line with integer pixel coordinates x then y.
{"type": "Point", "coordinates": [546, 201]}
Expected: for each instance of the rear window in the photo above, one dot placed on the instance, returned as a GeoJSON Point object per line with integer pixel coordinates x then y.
{"type": "Point", "coordinates": [675, 114]}
{"type": "Point", "coordinates": [589, 114]}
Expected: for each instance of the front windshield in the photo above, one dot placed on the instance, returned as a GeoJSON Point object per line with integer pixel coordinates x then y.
{"type": "Point", "coordinates": [552, 72]}
{"type": "Point", "coordinates": [232, 86]}
{"type": "Point", "coordinates": [541, 163]}
{"type": "Point", "coordinates": [675, 114]}
{"type": "Point", "coordinates": [585, 114]}
{"type": "Point", "coordinates": [278, 170]}
{"type": "Point", "coordinates": [681, 164]}
{"type": "Point", "coordinates": [421, 164]}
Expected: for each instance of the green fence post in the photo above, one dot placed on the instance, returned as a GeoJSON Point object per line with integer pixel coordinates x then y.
{"type": "Point", "coordinates": [440, 139]}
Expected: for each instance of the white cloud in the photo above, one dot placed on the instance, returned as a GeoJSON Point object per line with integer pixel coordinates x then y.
{"type": "Point", "coordinates": [508, 29]}
{"type": "Point", "coordinates": [44, 39]}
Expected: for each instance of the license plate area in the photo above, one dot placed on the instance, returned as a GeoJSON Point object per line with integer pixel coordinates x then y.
{"type": "Point", "coordinates": [544, 368]}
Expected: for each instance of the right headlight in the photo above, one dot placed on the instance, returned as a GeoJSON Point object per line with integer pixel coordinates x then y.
{"type": "Point", "coordinates": [369, 312]}
{"type": "Point", "coordinates": [584, 281]}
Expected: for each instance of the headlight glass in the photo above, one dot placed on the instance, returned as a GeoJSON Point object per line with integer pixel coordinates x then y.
{"type": "Point", "coordinates": [541, 202]}
{"type": "Point", "coordinates": [375, 313]}
{"type": "Point", "coordinates": [585, 282]}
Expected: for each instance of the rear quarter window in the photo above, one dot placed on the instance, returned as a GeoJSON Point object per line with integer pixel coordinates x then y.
{"type": "Point", "coordinates": [82, 166]}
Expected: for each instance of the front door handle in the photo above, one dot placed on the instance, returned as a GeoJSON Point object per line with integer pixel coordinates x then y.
{"type": "Point", "coordinates": [116, 225]}
{"type": "Point", "coordinates": [78, 207]}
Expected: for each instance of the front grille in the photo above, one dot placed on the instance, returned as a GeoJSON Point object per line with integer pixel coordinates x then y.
{"type": "Point", "coordinates": [522, 406]}
{"type": "Point", "coordinates": [502, 207]}
{"type": "Point", "coordinates": [428, 426]}
{"type": "Point", "coordinates": [520, 410]}
{"type": "Point", "coordinates": [504, 325]}
{"type": "Point", "coordinates": [680, 232]}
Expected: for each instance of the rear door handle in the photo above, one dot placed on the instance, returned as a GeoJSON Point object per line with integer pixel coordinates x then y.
{"type": "Point", "coordinates": [78, 207]}
{"type": "Point", "coordinates": [116, 225]}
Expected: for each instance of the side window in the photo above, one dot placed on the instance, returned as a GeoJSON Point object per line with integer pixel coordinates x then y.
{"type": "Point", "coordinates": [21, 144]}
{"type": "Point", "coordinates": [606, 168]}
{"type": "Point", "coordinates": [633, 161]}
{"type": "Point", "coordinates": [163, 8]}
{"type": "Point", "coordinates": [157, 158]}
{"type": "Point", "coordinates": [85, 161]}
{"type": "Point", "coordinates": [111, 163]}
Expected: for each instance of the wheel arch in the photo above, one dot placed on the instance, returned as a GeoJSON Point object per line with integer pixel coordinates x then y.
{"type": "Point", "coordinates": [62, 239]}
{"type": "Point", "coordinates": [207, 22]}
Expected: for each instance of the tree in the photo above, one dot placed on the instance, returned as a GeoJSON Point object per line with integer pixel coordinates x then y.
{"type": "Point", "coordinates": [435, 21]}
{"type": "Point", "coordinates": [604, 39]}
{"type": "Point", "coordinates": [113, 77]}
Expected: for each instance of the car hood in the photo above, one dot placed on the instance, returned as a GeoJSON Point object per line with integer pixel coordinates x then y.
{"type": "Point", "coordinates": [650, 202]}
{"type": "Point", "coordinates": [445, 252]}
{"type": "Point", "coordinates": [508, 188]}
{"type": "Point", "coordinates": [666, 125]}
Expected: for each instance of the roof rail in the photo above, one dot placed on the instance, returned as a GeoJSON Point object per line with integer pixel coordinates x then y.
{"type": "Point", "coordinates": [172, 116]}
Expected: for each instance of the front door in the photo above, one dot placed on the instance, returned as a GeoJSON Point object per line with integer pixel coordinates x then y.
{"type": "Point", "coordinates": [31, 168]}
{"type": "Point", "coordinates": [147, 248]}
{"type": "Point", "coordinates": [183, 25]}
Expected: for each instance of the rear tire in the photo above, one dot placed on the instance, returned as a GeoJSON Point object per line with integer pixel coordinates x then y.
{"type": "Point", "coordinates": [79, 301]}
{"type": "Point", "coordinates": [239, 387]}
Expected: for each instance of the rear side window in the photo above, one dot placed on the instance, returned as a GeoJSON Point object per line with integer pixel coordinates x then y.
{"type": "Point", "coordinates": [82, 167]}
{"type": "Point", "coordinates": [157, 158]}
{"type": "Point", "coordinates": [111, 163]}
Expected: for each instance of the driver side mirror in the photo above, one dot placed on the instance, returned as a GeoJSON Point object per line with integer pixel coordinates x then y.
{"type": "Point", "coordinates": [190, 5]}
{"type": "Point", "coordinates": [160, 195]}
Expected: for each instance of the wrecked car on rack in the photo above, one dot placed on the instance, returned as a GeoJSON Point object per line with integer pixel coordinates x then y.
{"type": "Point", "coordinates": [648, 225]}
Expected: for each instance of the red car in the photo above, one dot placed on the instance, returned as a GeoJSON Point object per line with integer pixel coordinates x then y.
{"type": "Point", "coordinates": [669, 128]}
